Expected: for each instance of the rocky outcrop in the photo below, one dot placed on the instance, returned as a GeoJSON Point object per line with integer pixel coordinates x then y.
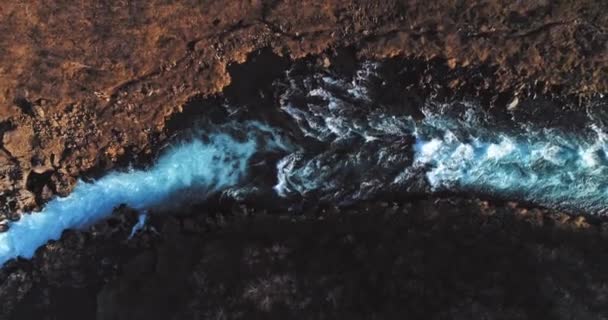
{"type": "Point", "coordinates": [89, 85]}
{"type": "Point", "coordinates": [85, 85]}
{"type": "Point", "coordinates": [424, 258]}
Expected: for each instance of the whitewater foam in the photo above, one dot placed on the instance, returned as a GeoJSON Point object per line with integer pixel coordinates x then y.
{"type": "Point", "coordinates": [457, 146]}
{"type": "Point", "coordinates": [210, 164]}
{"type": "Point", "coordinates": [361, 149]}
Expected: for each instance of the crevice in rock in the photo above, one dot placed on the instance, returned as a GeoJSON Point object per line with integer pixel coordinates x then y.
{"type": "Point", "coordinates": [25, 105]}
{"type": "Point", "coordinates": [41, 185]}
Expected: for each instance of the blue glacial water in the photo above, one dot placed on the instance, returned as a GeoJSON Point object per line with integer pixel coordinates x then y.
{"type": "Point", "coordinates": [210, 164]}
{"type": "Point", "coordinates": [347, 147]}
{"type": "Point", "coordinates": [545, 167]}
{"type": "Point", "coordinates": [455, 147]}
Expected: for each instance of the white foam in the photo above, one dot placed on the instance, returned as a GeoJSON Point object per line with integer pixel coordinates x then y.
{"type": "Point", "coordinates": [500, 150]}
{"type": "Point", "coordinates": [218, 163]}
{"type": "Point", "coordinates": [427, 149]}
{"type": "Point", "coordinates": [459, 147]}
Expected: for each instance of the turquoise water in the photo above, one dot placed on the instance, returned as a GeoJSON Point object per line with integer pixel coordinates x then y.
{"type": "Point", "coordinates": [361, 149]}
{"type": "Point", "coordinates": [213, 163]}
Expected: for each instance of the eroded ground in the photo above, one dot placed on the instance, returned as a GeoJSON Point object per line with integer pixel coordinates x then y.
{"type": "Point", "coordinates": [86, 85]}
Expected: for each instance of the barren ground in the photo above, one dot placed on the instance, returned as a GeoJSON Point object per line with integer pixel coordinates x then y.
{"type": "Point", "coordinates": [88, 86]}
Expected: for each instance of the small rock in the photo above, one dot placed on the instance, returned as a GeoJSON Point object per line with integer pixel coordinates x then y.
{"type": "Point", "coordinates": [26, 199]}
{"type": "Point", "coordinates": [326, 62]}
{"type": "Point", "coordinates": [452, 63]}
{"type": "Point", "coordinates": [38, 111]}
{"type": "Point", "coordinates": [46, 193]}
{"type": "Point", "coordinates": [18, 141]}
{"type": "Point", "coordinates": [581, 223]}
{"type": "Point", "coordinates": [513, 104]}
{"type": "Point", "coordinates": [14, 216]}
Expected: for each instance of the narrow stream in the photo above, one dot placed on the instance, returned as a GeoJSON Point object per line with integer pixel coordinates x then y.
{"type": "Point", "coordinates": [341, 146]}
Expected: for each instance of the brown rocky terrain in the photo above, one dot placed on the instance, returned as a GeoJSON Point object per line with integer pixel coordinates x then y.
{"type": "Point", "coordinates": [84, 85]}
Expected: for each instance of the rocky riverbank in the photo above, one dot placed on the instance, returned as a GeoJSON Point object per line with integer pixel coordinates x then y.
{"type": "Point", "coordinates": [87, 86]}
{"type": "Point", "coordinates": [92, 86]}
{"type": "Point", "coordinates": [433, 258]}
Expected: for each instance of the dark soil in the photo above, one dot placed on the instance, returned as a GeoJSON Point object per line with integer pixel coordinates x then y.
{"type": "Point", "coordinates": [432, 259]}
{"type": "Point", "coordinates": [89, 86]}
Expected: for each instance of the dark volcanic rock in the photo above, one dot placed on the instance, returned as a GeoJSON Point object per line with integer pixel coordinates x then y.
{"type": "Point", "coordinates": [439, 259]}
{"type": "Point", "coordinates": [89, 85]}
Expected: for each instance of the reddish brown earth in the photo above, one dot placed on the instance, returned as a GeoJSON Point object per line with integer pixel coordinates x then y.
{"type": "Point", "coordinates": [85, 84]}
{"type": "Point", "coordinates": [89, 85]}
